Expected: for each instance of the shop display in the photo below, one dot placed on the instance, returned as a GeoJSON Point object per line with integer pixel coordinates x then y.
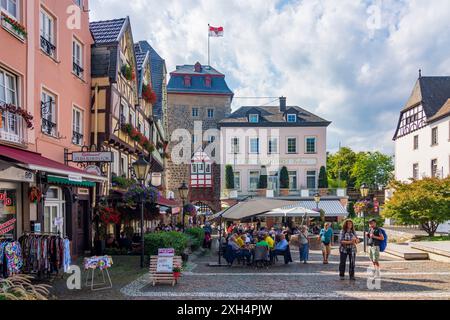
{"type": "Point", "coordinates": [45, 253]}
{"type": "Point", "coordinates": [11, 260]}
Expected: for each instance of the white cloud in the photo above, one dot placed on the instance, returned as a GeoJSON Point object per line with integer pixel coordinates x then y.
{"type": "Point", "coordinates": [321, 54]}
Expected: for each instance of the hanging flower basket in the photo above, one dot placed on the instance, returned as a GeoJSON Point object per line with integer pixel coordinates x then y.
{"type": "Point", "coordinates": [35, 195]}
{"type": "Point", "coordinates": [27, 117]}
{"type": "Point", "coordinates": [13, 26]}
{"type": "Point", "coordinates": [128, 72]}
{"type": "Point", "coordinates": [135, 192]}
{"type": "Point", "coordinates": [189, 209]}
{"type": "Point", "coordinates": [109, 215]}
{"type": "Point", "coordinates": [148, 94]}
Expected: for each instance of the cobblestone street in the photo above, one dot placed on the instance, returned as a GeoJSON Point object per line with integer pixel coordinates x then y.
{"type": "Point", "coordinates": [400, 280]}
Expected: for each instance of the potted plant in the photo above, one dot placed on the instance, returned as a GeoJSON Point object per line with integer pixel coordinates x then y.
{"type": "Point", "coordinates": [284, 182]}
{"type": "Point", "coordinates": [323, 181]}
{"type": "Point", "coordinates": [262, 185]}
{"type": "Point", "coordinates": [177, 269]}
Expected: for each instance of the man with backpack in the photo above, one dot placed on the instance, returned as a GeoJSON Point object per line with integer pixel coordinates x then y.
{"type": "Point", "coordinates": [376, 239]}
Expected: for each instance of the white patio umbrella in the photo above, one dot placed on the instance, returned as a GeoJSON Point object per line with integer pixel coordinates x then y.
{"type": "Point", "coordinates": [291, 212]}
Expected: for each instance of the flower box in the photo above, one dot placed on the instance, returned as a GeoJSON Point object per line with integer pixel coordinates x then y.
{"type": "Point", "coordinates": [13, 26]}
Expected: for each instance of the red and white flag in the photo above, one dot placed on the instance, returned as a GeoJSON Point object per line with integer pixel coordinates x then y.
{"type": "Point", "coordinates": [215, 31]}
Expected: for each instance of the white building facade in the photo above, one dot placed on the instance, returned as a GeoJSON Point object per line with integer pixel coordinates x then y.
{"type": "Point", "coordinates": [422, 138]}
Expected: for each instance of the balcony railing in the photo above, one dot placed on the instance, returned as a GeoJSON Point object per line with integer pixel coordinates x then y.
{"type": "Point", "coordinates": [77, 138]}
{"type": "Point", "coordinates": [12, 128]}
{"type": "Point", "coordinates": [48, 127]}
{"type": "Point", "coordinates": [78, 70]}
{"type": "Point", "coordinates": [301, 193]}
{"type": "Point", "coordinates": [48, 47]}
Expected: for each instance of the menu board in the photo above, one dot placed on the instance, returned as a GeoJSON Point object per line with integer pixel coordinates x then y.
{"type": "Point", "coordinates": [165, 260]}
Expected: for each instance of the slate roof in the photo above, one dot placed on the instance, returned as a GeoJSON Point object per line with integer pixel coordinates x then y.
{"type": "Point", "coordinates": [141, 57]}
{"type": "Point", "coordinates": [442, 113]}
{"type": "Point", "coordinates": [431, 92]}
{"type": "Point", "coordinates": [106, 35]}
{"type": "Point", "coordinates": [272, 116]}
{"type": "Point", "coordinates": [218, 83]}
{"type": "Point", "coordinates": [107, 31]}
{"type": "Point", "coordinates": [158, 69]}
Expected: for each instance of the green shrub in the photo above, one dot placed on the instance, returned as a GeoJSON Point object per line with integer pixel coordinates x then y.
{"type": "Point", "coordinates": [284, 178]}
{"type": "Point", "coordinates": [323, 180]}
{"type": "Point", "coordinates": [154, 241]}
{"type": "Point", "coordinates": [262, 182]}
{"type": "Point", "coordinates": [359, 222]}
{"type": "Point", "coordinates": [196, 235]}
{"type": "Point", "coordinates": [116, 252]}
{"type": "Point", "coordinates": [229, 177]}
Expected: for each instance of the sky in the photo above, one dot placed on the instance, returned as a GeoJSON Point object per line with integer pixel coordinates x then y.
{"type": "Point", "coordinates": [352, 62]}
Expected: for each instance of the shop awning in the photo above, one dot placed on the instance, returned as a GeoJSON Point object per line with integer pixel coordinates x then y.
{"type": "Point", "coordinates": [35, 161]}
{"type": "Point", "coordinates": [168, 202]}
{"type": "Point", "coordinates": [67, 182]}
{"type": "Point", "coordinates": [332, 208]}
{"type": "Point", "coordinates": [251, 207]}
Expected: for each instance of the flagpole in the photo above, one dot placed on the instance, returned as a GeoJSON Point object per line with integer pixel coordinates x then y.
{"type": "Point", "coordinates": [209, 57]}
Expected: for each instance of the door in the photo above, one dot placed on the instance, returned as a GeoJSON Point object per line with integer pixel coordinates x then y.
{"type": "Point", "coordinates": [82, 226]}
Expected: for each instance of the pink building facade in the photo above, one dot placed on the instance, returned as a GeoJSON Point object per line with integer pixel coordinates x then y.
{"type": "Point", "coordinates": [45, 104]}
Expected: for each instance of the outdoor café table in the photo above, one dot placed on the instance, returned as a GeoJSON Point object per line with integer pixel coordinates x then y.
{"type": "Point", "coordinates": [102, 263]}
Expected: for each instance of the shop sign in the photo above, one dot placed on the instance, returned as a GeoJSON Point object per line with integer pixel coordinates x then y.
{"type": "Point", "coordinates": [83, 191]}
{"type": "Point", "coordinates": [37, 227]}
{"type": "Point", "coordinates": [165, 260]}
{"type": "Point", "coordinates": [7, 226]}
{"type": "Point", "coordinates": [75, 178]}
{"type": "Point", "coordinates": [94, 170]}
{"type": "Point", "coordinates": [92, 157]}
{"type": "Point", "coordinates": [4, 198]}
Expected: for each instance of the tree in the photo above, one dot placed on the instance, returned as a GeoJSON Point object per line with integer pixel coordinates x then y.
{"type": "Point", "coordinates": [422, 202]}
{"type": "Point", "coordinates": [323, 179]}
{"type": "Point", "coordinates": [284, 178]}
{"type": "Point", "coordinates": [340, 165]}
{"type": "Point", "coordinates": [373, 168]}
{"type": "Point", "coordinates": [229, 177]}
{"type": "Point", "coordinates": [262, 181]}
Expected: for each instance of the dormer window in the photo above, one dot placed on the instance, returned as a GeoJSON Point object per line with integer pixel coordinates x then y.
{"type": "Point", "coordinates": [292, 117]}
{"type": "Point", "coordinates": [208, 82]}
{"type": "Point", "coordinates": [187, 81]}
{"type": "Point", "coordinates": [253, 118]}
{"type": "Point", "coordinates": [198, 67]}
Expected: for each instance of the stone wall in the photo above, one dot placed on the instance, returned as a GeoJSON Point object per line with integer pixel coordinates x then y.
{"type": "Point", "coordinates": [179, 116]}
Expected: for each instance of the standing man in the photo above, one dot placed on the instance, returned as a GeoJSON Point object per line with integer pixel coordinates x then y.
{"type": "Point", "coordinates": [375, 237]}
{"type": "Point", "coordinates": [326, 236]}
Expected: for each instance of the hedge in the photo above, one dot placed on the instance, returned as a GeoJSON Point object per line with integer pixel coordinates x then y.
{"type": "Point", "coordinates": [177, 240]}
{"type": "Point", "coordinates": [359, 222]}
{"type": "Point", "coordinates": [196, 235]}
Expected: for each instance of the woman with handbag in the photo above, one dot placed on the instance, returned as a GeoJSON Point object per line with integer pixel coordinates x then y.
{"type": "Point", "coordinates": [348, 241]}
{"type": "Point", "coordinates": [304, 244]}
{"type": "Point", "coordinates": [326, 237]}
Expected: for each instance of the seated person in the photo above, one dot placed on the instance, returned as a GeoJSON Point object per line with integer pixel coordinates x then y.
{"type": "Point", "coordinates": [124, 242]}
{"type": "Point", "coordinates": [111, 242]}
{"type": "Point", "coordinates": [239, 241]}
{"type": "Point", "coordinates": [269, 241]}
{"type": "Point", "coordinates": [262, 242]}
{"type": "Point", "coordinates": [281, 249]}
{"type": "Point", "coordinates": [238, 251]}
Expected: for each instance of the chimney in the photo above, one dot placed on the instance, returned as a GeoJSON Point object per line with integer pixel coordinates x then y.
{"type": "Point", "coordinates": [283, 104]}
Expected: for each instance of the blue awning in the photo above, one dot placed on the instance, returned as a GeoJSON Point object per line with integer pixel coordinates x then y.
{"type": "Point", "coordinates": [332, 208]}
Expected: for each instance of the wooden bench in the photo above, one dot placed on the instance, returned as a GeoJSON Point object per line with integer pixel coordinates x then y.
{"type": "Point", "coordinates": [163, 277]}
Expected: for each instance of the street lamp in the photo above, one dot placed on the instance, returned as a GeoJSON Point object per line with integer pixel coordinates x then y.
{"type": "Point", "coordinates": [184, 192]}
{"type": "Point", "coordinates": [317, 201]}
{"type": "Point", "coordinates": [364, 189]}
{"type": "Point", "coordinates": [141, 169]}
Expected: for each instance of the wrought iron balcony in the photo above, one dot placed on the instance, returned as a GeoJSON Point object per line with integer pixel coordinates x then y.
{"type": "Point", "coordinates": [77, 138]}
{"type": "Point", "coordinates": [78, 70]}
{"type": "Point", "coordinates": [48, 47]}
{"type": "Point", "coordinates": [48, 127]}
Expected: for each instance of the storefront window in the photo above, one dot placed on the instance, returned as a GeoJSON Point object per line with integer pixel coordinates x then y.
{"type": "Point", "coordinates": [8, 212]}
{"type": "Point", "coordinates": [54, 211]}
